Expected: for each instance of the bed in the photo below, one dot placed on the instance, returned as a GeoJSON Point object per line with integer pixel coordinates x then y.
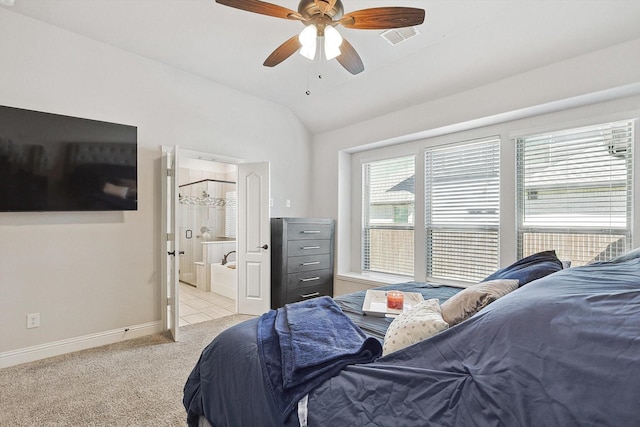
{"type": "Point", "coordinates": [560, 349]}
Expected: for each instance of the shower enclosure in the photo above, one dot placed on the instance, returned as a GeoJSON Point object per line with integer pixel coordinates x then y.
{"type": "Point", "coordinates": [208, 213]}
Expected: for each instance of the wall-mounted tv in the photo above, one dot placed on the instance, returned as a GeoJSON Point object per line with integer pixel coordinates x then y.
{"type": "Point", "coordinates": [50, 162]}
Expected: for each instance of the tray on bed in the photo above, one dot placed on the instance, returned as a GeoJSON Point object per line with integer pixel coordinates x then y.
{"type": "Point", "coordinates": [352, 304]}
{"type": "Point", "coordinates": [375, 303]}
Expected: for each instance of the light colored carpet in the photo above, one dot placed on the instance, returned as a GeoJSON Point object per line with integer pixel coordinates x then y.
{"type": "Point", "coordinates": [133, 383]}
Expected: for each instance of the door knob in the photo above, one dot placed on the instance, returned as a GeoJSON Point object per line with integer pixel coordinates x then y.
{"type": "Point", "coordinates": [265, 246]}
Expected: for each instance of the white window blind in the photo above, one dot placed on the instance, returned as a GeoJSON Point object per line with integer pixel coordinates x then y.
{"type": "Point", "coordinates": [574, 192]}
{"type": "Point", "coordinates": [388, 216]}
{"type": "Point", "coordinates": [462, 209]}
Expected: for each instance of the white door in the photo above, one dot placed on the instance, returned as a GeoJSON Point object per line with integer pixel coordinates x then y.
{"type": "Point", "coordinates": [169, 242]}
{"type": "Point", "coordinates": [254, 239]}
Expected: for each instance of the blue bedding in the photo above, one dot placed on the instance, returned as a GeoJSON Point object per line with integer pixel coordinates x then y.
{"type": "Point", "coordinates": [351, 304]}
{"type": "Point", "coordinates": [302, 345]}
{"type": "Point", "coordinates": [563, 350]}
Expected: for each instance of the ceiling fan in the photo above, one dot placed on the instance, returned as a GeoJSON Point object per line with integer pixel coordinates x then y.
{"type": "Point", "coordinates": [320, 17]}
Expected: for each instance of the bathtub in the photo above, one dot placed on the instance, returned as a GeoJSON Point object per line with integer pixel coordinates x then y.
{"type": "Point", "coordinates": [224, 279]}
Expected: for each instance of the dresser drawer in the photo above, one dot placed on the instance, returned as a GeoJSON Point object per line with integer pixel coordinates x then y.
{"type": "Point", "coordinates": [298, 264]}
{"type": "Point", "coordinates": [303, 231]}
{"type": "Point", "coordinates": [309, 278]}
{"type": "Point", "coordinates": [308, 293]}
{"type": "Point", "coordinates": [308, 247]}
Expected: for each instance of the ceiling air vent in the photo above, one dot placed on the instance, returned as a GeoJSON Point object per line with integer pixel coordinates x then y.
{"type": "Point", "coordinates": [397, 35]}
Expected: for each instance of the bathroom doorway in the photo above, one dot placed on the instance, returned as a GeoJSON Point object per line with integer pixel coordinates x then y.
{"type": "Point", "coordinates": [207, 233]}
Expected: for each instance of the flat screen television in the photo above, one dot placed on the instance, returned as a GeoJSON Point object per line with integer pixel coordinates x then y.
{"type": "Point", "coordinates": [51, 162]}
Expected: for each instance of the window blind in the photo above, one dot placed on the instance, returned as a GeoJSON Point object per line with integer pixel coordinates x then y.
{"type": "Point", "coordinates": [574, 192]}
{"type": "Point", "coordinates": [462, 209]}
{"type": "Point", "coordinates": [388, 216]}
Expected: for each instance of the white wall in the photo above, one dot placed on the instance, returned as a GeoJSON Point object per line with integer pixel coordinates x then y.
{"type": "Point", "coordinates": [87, 273]}
{"type": "Point", "coordinates": [604, 83]}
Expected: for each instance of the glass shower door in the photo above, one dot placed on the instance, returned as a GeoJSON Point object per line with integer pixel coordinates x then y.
{"type": "Point", "coordinates": [193, 231]}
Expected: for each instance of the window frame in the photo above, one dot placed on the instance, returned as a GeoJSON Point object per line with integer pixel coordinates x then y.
{"type": "Point", "coordinates": [366, 225]}
{"type": "Point", "coordinates": [431, 262]}
{"type": "Point", "coordinates": [631, 180]}
{"type": "Point", "coordinates": [349, 206]}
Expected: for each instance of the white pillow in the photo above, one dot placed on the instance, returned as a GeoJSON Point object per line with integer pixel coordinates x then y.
{"type": "Point", "coordinates": [419, 323]}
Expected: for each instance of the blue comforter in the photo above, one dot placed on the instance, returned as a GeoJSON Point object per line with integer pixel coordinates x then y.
{"type": "Point", "coordinates": [351, 304]}
{"type": "Point", "coordinates": [298, 347]}
{"type": "Point", "coordinates": [302, 345]}
{"type": "Point", "coordinates": [563, 350]}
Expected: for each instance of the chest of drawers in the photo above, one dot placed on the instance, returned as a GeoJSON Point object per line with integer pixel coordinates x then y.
{"type": "Point", "coordinates": [301, 259]}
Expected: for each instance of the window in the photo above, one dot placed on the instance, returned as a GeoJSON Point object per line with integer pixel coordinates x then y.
{"type": "Point", "coordinates": [462, 210]}
{"type": "Point", "coordinates": [388, 216]}
{"type": "Point", "coordinates": [574, 192]}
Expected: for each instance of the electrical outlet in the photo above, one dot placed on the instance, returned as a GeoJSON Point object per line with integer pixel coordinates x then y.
{"type": "Point", "coordinates": [287, 203]}
{"type": "Point", "coordinates": [33, 320]}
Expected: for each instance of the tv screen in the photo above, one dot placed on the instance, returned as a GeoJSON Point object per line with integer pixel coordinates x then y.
{"type": "Point", "coordinates": [50, 162]}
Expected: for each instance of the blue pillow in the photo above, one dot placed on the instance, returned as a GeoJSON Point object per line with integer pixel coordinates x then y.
{"type": "Point", "coordinates": [529, 268]}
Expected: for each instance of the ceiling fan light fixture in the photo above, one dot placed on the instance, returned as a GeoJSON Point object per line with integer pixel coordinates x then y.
{"type": "Point", "coordinates": [332, 42]}
{"type": "Point", "coordinates": [307, 38]}
{"type": "Point", "coordinates": [321, 15]}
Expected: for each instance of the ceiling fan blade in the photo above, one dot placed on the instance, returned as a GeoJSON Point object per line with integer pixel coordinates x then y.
{"type": "Point", "coordinates": [263, 8]}
{"type": "Point", "coordinates": [349, 58]}
{"type": "Point", "coordinates": [283, 51]}
{"type": "Point", "coordinates": [382, 18]}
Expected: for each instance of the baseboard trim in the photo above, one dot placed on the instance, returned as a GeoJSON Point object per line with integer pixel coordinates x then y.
{"type": "Point", "coordinates": [57, 348]}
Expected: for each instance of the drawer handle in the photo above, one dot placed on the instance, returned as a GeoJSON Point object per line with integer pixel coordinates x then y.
{"type": "Point", "coordinates": [310, 279]}
{"type": "Point", "coordinates": [304, 248]}
{"type": "Point", "coordinates": [310, 231]}
{"type": "Point", "coordinates": [311, 295]}
{"type": "Point", "coordinates": [311, 263]}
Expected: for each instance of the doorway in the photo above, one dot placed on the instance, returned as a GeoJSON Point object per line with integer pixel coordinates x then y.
{"type": "Point", "coordinates": [253, 266]}
{"type": "Point", "coordinates": [207, 204]}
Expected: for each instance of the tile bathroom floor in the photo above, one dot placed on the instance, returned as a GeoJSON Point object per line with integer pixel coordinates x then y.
{"type": "Point", "coordinates": [199, 306]}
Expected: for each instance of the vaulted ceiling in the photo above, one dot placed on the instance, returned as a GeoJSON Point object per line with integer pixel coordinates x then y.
{"type": "Point", "coordinates": [462, 44]}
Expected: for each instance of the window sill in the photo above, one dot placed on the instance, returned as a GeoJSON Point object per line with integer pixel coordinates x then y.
{"type": "Point", "coordinates": [372, 280]}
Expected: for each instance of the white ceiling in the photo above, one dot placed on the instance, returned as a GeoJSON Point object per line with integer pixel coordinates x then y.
{"type": "Point", "coordinates": [463, 44]}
